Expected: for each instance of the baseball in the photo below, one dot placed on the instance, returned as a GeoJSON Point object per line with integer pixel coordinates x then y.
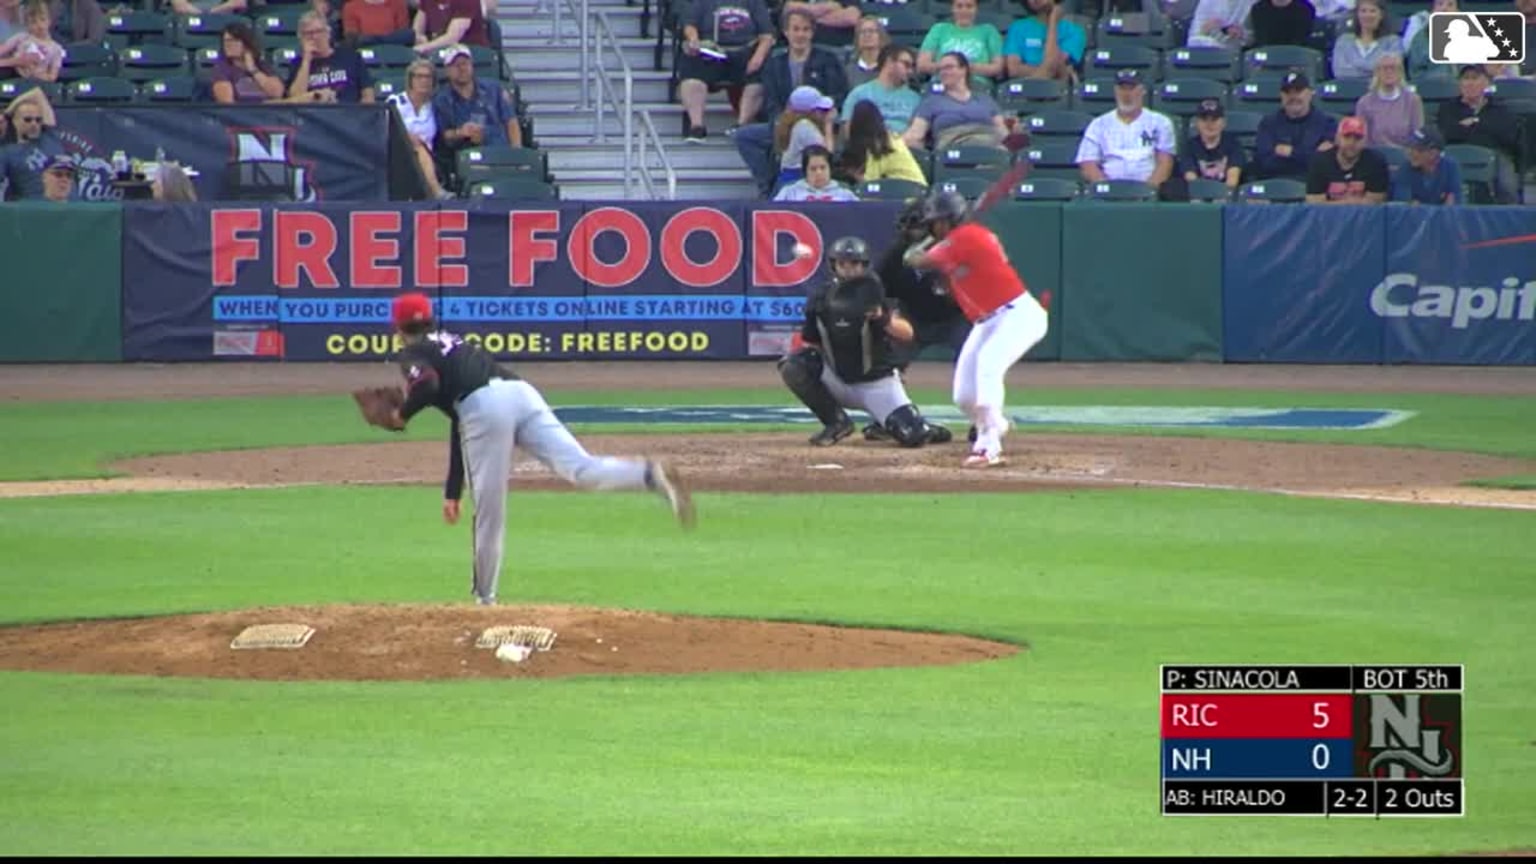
{"type": "Point", "coordinates": [513, 653]}
{"type": "Point", "coordinates": [803, 251]}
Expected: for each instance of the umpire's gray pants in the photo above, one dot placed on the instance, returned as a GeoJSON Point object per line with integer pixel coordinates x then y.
{"type": "Point", "coordinates": [494, 420]}
{"type": "Point", "coordinates": [877, 398]}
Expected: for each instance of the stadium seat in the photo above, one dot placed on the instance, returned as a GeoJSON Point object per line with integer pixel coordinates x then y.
{"type": "Point", "coordinates": [101, 91]}
{"type": "Point", "coordinates": [1244, 125]}
{"type": "Point", "coordinates": [1181, 97]}
{"type": "Point", "coordinates": [279, 20]}
{"type": "Point", "coordinates": [182, 88]}
{"type": "Point", "coordinates": [1273, 61]}
{"type": "Point", "coordinates": [1522, 89]}
{"type": "Point", "coordinates": [1478, 167]}
{"type": "Point", "coordinates": [476, 162]}
{"type": "Point", "coordinates": [1047, 189]}
{"type": "Point", "coordinates": [1433, 91]}
{"type": "Point", "coordinates": [890, 190]}
{"type": "Point", "coordinates": [1057, 124]}
{"type": "Point", "coordinates": [968, 185]}
{"type": "Point", "coordinates": [10, 88]}
{"type": "Point", "coordinates": [200, 31]}
{"type": "Point", "coordinates": [1104, 62]}
{"type": "Point", "coordinates": [385, 87]}
{"type": "Point", "coordinates": [906, 25]}
{"type": "Point", "coordinates": [1121, 191]}
{"type": "Point", "coordinates": [1339, 97]}
{"type": "Point", "coordinates": [385, 57]}
{"type": "Point", "coordinates": [148, 62]}
{"type": "Point", "coordinates": [1396, 157]}
{"type": "Point", "coordinates": [1262, 95]}
{"type": "Point", "coordinates": [1209, 191]}
{"type": "Point", "coordinates": [1094, 97]}
{"type": "Point", "coordinates": [1134, 28]}
{"type": "Point", "coordinates": [87, 60]}
{"type": "Point", "coordinates": [1052, 153]}
{"type": "Point", "coordinates": [205, 58]}
{"type": "Point", "coordinates": [284, 60]}
{"type": "Point", "coordinates": [973, 157]}
{"type": "Point", "coordinates": [1219, 64]}
{"type": "Point", "coordinates": [138, 28]}
{"type": "Point", "coordinates": [1025, 95]}
{"type": "Point", "coordinates": [503, 187]}
{"type": "Point", "coordinates": [487, 61]}
{"type": "Point", "coordinates": [1277, 191]}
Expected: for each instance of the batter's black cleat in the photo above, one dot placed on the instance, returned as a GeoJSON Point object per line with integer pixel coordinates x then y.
{"type": "Point", "coordinates": [970, 436]}
{"type": "Point", "coordinates": [876, 432]}
{"type": "Point", "coordinates": [830, 435]}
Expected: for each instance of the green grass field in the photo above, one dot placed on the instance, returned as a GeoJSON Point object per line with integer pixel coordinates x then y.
{"type": "Point", "coordinates": [1053, 751]}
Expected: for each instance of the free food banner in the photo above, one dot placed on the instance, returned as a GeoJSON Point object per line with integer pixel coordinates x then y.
{"type": "Point", "coordinates": [643, 280]}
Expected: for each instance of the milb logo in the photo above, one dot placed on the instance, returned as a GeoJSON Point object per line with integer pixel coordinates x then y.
{"type": "Point", "coordinates": [1408, 735]}
{"type": "Point", "coordinates": [1465, 39]}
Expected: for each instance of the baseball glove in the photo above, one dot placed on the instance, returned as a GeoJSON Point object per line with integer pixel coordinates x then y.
{"type": "Point", "coordinates": [378, 405]}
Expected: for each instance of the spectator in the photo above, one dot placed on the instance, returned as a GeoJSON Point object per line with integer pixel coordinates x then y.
{"type": "Point", "coordinates": [77, 21]}
{"type": "Point", "coordinates": [208, 7]}
{"type": "Point", "coordinates": [1350, 173]}
{"type": "Point", "coordinates": [59, 179]}
{"type": "Point", "coordinates": [34, 54]}
{"type": "Point", "coordinates": [326, 72]}
{"type": "Point", "coordinates": [806, 121]}
{"type": "Point", "coordinates": [870, 40]}
{"type": "Point", "coordinates": [441, 23]}
{"type": "Point", "coordinates": [833, 22]}
{"type": "Point", "coordinates": [741, 36]}
{"type": "Point", "coordinates": [1390, 110]}
{"type": "Point", "coordinates": [1370, 35]}
{"type": "Point", "coordinates": [471, 112]}
{"type": "Point", "coordinates": [981, 44]}
{"type": "Point", "coordinates": [1430, 177]}
{"type": "Point", "coordinates": [1130, 142]}
{"type": "Point", "coordinates": [1213, 152]}
{"type": "Point", "coordinates": [889, 92]}
{"type": "Point", "coordinates": [171, 184]}
{"type": "Point", "coordinates": [1282, 22]}
{"type": "Point", "coordinates": [802, 64]}
{"type": "Point", "coordinates": [1419, 65]}
{"type": "Point", "coordinates": [1289, 138]}
{"type": "Point", "coordinates": [21, 165]}
{"type": "Point", "coordinates": [332, 16]}
{"type": "Point", "coordinates": [1220, 24]}
{"type": "Point", "coordinates": [375, 22]}
{"type": "Point", "coordinates": [1046, 44]}
{"type": "Point", "coordinates": [874, 152]}
{"type": "Point", "coordinates": [414, 105]}
{"type": "Point", "coordinates": [241, 74]}
{"type": "Point", "coordinates": [1475, 118]}
{"type": "Point", "coordinates": [11, 22]}
{"type": "Point", "coordinates": [1334, 11]}
{"type": "Point", "coordinates": [817, 183]}
{"type": "Point", "coordinates": [956, 116]}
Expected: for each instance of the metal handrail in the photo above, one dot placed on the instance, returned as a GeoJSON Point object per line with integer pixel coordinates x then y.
{"type": "Point", "coordinates": [627, 110]}
{"type": "Point", "coordinates": [648, 130]}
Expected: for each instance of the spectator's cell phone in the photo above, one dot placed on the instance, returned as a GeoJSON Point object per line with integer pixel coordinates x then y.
{"type": "Point", "coordinates": [713, 52]}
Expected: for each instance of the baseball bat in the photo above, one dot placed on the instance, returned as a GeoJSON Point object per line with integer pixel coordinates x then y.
{"type": "Point", "coordinates": [1002, 189]}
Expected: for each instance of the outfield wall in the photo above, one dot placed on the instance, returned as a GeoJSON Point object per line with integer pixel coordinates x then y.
{"type": "Point", "coordinates": [1125, 282]}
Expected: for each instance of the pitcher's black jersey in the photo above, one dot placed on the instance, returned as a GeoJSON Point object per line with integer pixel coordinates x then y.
{"type": "Point", "coordinates": [837, 317]}
{"type": "Point", "coordinates": [442, 368]}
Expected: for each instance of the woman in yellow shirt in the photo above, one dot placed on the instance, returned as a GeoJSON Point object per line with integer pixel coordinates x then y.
{"type": "Point", "coordinates": [873, 152]}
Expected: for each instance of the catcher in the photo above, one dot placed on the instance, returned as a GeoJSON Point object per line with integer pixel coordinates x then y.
{"type": "Point", "coordinates": [492, 410]}
{"type": "Point", "coordinates": [851, 333]}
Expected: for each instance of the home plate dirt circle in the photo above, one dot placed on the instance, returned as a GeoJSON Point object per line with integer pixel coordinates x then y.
{"type": "Point", "coordinates": [433, 642]}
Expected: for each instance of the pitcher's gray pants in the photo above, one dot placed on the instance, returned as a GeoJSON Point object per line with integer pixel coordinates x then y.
{"type": "Point", "coordinates": [495, 419]}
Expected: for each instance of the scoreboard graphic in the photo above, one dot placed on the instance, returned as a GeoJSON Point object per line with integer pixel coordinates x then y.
{"type": "Point", "coordinates": [1376, 741]}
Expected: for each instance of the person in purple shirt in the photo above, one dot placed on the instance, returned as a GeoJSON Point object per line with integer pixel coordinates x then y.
{"type": "Point", "coordinates": [240, 74]}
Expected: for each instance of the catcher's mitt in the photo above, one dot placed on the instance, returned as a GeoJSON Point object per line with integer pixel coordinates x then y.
{"type": "Point", "coordinates": [378, 405]}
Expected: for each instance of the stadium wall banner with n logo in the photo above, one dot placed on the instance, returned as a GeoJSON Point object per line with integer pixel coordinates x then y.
{"type": "Point", "coordinates": [288, 152]}
{"type": "Point", "coordinates": [653, 280]}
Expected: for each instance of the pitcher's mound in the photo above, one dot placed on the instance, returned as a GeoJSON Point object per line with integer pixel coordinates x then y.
{"type": "Point", "coordinates": [420, 642]}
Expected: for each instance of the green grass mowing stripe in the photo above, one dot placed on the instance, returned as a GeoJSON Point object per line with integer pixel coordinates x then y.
{"type": "Point", "coordinates": [1512, 481]}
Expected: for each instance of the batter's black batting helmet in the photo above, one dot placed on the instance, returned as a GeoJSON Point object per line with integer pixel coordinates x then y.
{"type": "Point", "coordinates": [945, 205]}
{"type": "Point", "coordinates": [849, 249]}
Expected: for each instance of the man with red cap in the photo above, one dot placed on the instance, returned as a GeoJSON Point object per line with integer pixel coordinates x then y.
{"type": "Point", "coordinates": [1350, 173]}
{"type": "Point", "coordinates": [492, 411]}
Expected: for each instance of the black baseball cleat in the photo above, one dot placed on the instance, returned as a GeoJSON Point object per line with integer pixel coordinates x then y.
{"type": "Point", "coordinates": [876, 432]}
{"type": "Point", "coordinates": [939, 434]}
{"type": "Point", "coordinates": [832, 434]}
{"type": "Point", "coordinates": [970, 436]}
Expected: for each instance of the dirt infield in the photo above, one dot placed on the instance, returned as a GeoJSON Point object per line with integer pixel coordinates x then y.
{"type": "Point", "coordinates": [402, 642]}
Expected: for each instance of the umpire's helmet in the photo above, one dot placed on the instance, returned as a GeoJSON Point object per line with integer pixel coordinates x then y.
{"type": "Point", "coordinates": [911, 216]}
{"type": "Point", "coordinates": [849, 249]}
{"type": "Point", "coordinates": [945, 204]}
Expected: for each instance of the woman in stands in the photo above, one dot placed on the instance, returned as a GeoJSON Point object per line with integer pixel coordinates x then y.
{"type": "Point", "coordinates": [817, 184]}
{"type": "Point", "coordinates": [806, 121]}
{"type": "Point", "coordinates": [981, 44]}
{"type": "Point", "coordinates": [870, 37]}
{"type": "Point", "coordinates": [34, 54]}
{"type": "Point", "coordinates": [414, 105]}
{"type": "Point", "coordinates": [1392, 112]}
{"type": "Point", "coordinates": [873, 152]}
{"type": "Point", "coordinates": [956, 116]}
{"type": "Point", "coordinates": [240, 75]}
{"type": "Point", "coordinates": [1370, 36]}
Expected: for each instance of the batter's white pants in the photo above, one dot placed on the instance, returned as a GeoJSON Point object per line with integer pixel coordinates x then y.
{"type": "Point", "coordinates": [995, 344]}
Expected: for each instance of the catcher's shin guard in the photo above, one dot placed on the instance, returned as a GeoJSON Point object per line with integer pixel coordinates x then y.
{"type": "Point", "coordinates": [801, 372]}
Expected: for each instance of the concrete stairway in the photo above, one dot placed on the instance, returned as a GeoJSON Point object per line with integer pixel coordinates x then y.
{"type": "Point", "coordinates": [548, 69]}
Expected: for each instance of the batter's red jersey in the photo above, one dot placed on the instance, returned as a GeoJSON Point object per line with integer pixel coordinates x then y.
{"type": "Point", "coordinates": [977, 270]}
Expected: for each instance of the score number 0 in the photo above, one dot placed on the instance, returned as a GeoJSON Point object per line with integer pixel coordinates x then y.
{"type": "Point", "coordinates": [1320, 754]}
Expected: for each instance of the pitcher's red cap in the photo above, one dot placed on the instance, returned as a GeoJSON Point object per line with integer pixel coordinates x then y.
{"type": "Point", "coordinates": [411, 308]}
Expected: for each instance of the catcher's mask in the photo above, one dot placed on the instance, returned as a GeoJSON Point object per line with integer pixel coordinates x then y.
{"type": "Point", "coordinates": [411, 312]}
{"type": "Point", "coordinates": [848, 257]}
